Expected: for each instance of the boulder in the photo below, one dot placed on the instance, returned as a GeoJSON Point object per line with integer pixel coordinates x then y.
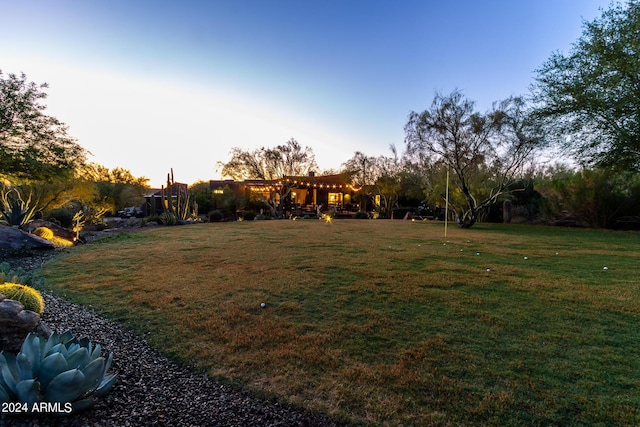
{"type": "Point", "coordinates": [16, 323]}
{"type": "Point", "coordinates": [58, 231]}
{"type": "Point", "coordinates": [16, 239]}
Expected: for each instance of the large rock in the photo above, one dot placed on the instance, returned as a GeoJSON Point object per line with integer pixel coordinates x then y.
{"type": "Point", "coordinates": [16, 323]}
{"type": "Point", "coordinates": [57, 230]}
{"type": "Point", "coordinates": [16, 239]}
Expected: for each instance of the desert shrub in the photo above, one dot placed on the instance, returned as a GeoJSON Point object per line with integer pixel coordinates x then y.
{"type": "Point", "coordinates": [168, 218]}
{"type": "Point", "coordinates": [18, 276]}
{"type": "Point", "coordinates": [400, 213]}
{"type": "Point", "coordinates": [249, 215]}
{"type": "Point", "coordinates": [30, 298]}
{"type": "Point", "coordinates": [361, 215]}
{"type": "Point", "coordinates": [155, 218]}
{"type": "Point", "coordinates": [216, 216]}
{"type": "Point", "coordinates": [61, 216]}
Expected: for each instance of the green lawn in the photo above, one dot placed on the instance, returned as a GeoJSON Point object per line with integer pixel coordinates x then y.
{"type": "Point", "coordinates": [384, 322]}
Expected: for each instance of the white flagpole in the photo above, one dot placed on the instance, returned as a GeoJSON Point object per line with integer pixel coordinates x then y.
{"type": "Point", "coordinates": [446, 206]}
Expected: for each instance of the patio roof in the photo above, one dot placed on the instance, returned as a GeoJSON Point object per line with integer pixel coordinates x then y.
{"type": "Point", "coordinates": [337, 181]}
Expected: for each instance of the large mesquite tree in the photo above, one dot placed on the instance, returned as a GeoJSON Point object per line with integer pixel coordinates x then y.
{"type": "Point", "coordinates": [268, 164]}
{"type": "Point", "coordinates": [590, 97]}
{"type": "Point", "coordinates": [33, 145]}
{"type": "Point", "coordinates": [289, 159]}
{"type": "Point", "coordinates": [481, 150]}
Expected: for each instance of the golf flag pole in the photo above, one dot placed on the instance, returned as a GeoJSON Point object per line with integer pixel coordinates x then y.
{"type": "Point", "coordinates": [446, 205]}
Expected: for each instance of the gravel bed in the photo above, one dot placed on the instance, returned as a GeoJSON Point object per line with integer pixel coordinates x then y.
{"type": "Point", "coordinates": [152, 390]}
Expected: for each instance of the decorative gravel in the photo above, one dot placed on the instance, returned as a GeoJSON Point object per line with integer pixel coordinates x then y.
{"type": "Point", "coordinates": [152, 390]}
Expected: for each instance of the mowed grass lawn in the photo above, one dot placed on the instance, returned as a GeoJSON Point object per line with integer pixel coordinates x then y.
{"type": "Point", "coordinates": [385, 322]}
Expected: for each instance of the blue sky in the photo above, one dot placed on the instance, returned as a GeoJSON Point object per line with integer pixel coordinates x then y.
{"type": "Point", "coordinates": [152, 85]}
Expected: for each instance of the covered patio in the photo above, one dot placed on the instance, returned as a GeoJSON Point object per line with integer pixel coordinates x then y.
{"type": "Point", "coordinates": [310, 195]}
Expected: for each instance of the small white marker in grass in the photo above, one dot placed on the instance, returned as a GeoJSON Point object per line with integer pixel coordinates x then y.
{"type": "Point", "coordinates": [488, 270]}
{"type": "Point", "coordinates": [263, 305]}
{"type": "Point", "coordinates": [477, 253]}
{"type": "Point", "coordinates": [605, 268]}
{"type": "Point", "coordinates": [526, 257]}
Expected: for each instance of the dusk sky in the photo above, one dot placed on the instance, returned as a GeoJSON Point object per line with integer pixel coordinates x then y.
{"type": "Point", "coordinates": [153, 85]}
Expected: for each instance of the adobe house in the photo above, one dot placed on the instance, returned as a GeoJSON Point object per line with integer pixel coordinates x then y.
{"type": "Point", "coordinates": [155, 198]}
{"type": "Point", "coordinates": [301, 195]}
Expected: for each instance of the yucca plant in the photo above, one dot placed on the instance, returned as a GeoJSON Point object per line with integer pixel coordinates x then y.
{"type": "Point", "coordinates": [60, 369]}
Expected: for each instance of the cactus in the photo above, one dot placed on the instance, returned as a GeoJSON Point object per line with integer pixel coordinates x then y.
{"type": "Point", "coordinates": [48, 234]}
{"type": "Point", "coordinates": [60, 369]}
{"type": "Point", "coordinates": [79, 220]}
{"type": "Point", "coordinates": [44, 232]}
{"type": "Point", "coordinates": [179, 206]}
{"type": "Point", "coordinates": [30, 298]}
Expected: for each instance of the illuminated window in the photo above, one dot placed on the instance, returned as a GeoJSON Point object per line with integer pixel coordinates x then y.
{"type": "Point", "coordinates": [335, 198]}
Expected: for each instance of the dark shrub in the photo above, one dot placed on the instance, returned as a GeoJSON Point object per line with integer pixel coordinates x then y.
{"type": "Point", "coordinates": [361, 215]}
{"type": "Point", "coordinates": [216, 216]}
{"type": "Point", "coordinates": [400, 213]}
{"type": "Point", "coordinates": [61, 216]}
{"type": "Point", "coordinates": [154, 218]}
{"type": "Point", "coordinates": [249, 215]}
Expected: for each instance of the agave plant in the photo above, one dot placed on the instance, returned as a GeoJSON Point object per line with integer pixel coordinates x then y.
{"type": "Point", "coordinates": [60, 369]}
{"type": "Point", "coordinates": [16, 210]}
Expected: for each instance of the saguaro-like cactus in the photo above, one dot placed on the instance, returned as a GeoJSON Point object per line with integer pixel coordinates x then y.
{"type": "Point", "coordinates": [179, 206]}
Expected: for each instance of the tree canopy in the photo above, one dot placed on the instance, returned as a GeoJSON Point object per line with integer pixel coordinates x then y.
{"type": "Point", "coordinates": [484, 151]}
{"type": "Point", "coordinates": [591, 96]}
{"type": "Point", "coordinates": [269, 163]}
{"type": "Point", "coordinates": [33, 145]}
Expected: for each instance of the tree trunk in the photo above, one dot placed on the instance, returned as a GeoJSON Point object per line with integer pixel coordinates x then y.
{"type": "Point", "coordinates": [506, 212]}
{"type": "Point", "coordinates": [468, 218]}
{"type": "Point", "coordinates": [471, 215]}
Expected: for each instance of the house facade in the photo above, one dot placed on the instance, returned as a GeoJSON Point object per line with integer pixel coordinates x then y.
{"type": "Point", "coordinates": [300, 195]}
{"type": "Point", "coordinates": [156, 199]}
